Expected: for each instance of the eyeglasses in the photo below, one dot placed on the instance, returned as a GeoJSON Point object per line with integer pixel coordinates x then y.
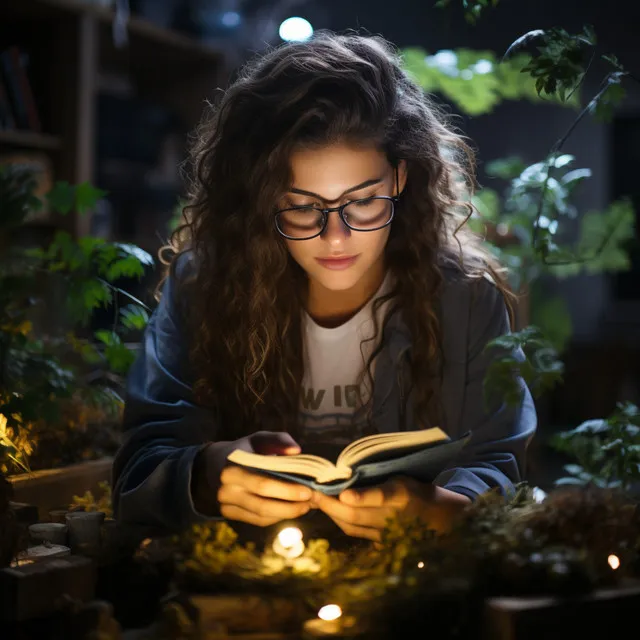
{"type": "Point", "coordinates": [368, 214]}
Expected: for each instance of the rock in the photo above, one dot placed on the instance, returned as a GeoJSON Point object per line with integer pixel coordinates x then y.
{"type": "Point", "coordinates": [39, 588]}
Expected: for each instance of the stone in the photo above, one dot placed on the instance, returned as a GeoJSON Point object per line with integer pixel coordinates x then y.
{"type": "Point", "coordinates": [53, 532]}
{"type": "Point", "coordinates": [42, 588]}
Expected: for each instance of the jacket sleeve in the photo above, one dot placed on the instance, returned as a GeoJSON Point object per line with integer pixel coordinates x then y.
{"type": "Point", "coordinates": [163, 426]}
{"type": "Point", "coordinates": [496, 452]}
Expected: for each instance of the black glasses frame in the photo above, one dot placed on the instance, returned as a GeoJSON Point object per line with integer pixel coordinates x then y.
{"type": "Point", "coordinates": [325, 214]}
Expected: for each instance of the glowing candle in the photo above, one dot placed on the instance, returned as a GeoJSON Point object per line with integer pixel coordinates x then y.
{"type": "Point", "coordinates": [289, 543]}
{"type": "Point", "coordinates": [614, 561]}
{"type": "Point", "coordinates": [330, 612]}
{"type": "Point", "coordinates": [327, 624]}
{"type": "Point", "coordinates": [421, 565]}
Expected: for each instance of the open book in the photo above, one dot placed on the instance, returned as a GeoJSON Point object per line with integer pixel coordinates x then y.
{"type": "Point", "coordinates": [371, 460]}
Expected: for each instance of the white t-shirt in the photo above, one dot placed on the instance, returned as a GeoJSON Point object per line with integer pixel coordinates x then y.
{"type": "Point", "coordinates": [330, 409]}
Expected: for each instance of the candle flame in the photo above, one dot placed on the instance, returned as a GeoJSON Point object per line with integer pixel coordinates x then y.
{"type": "Point", "coordinates": [614, 561]}
{"type": "Point", "coordinates": [330, 612]}
{"type": "Point", "coordinates": [289, 537]}
{"type": "Point", "coordinates": [421, 565]}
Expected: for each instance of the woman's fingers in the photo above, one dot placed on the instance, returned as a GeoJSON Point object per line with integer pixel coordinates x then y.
{"type": "Point", "coordinates": [369, 517]}
{"type": "Point", "coordinates": [264, 486]}
{"type": "Point", "coordinates": [263, 507]}
{"type": "Point", "coordinates": [358, 532]}
{"type": "Point", "coordinates": [234, 512]}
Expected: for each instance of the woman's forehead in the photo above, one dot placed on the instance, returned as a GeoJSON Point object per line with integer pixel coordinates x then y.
{"type": "Point", "coordinates": [332, 170]}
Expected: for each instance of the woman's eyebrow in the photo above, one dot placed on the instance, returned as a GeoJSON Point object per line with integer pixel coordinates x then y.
{"type": "Point", "coordinates": [367, 183]}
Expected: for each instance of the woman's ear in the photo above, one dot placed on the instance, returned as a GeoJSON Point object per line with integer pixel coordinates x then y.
{"type": "Point", "coordinates": [402, 176]}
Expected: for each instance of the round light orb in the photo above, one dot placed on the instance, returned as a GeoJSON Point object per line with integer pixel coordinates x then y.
{"type": "Point", "coordinates": [231, 19]}
{"type": "Point", "coordinates": [295, 29]}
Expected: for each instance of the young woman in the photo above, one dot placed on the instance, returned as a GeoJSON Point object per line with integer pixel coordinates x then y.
{"type": "Point", "coordinates": [324, 288]}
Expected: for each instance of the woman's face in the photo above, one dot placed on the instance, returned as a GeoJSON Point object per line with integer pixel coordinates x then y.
{"type": "Point", "coordinates": [330, 176]}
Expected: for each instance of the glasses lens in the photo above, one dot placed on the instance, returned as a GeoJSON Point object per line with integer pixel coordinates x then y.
{"type": "Point", "coordinates": [299, 223]}
{"type": "Point", "coordinates": [368, 214]}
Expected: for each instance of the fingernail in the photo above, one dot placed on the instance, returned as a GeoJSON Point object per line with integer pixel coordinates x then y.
{"type": "Point", "coordinates": [305, 494]}
{"type": "Point", "coordinates": [349, 496]}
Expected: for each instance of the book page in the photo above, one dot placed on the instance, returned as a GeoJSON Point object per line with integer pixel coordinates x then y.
{"type": "Point", "coordinates": [383, 442]}
{"type": "Point", "coordinates": [302, 464]}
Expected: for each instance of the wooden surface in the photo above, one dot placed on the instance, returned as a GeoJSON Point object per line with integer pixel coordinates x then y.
{"type": "Point", "coordinates": [605, 614]}
{"type": "Point", "coordinates": [54, 488]}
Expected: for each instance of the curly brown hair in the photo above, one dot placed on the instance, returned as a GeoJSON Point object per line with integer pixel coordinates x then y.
{"type": "Point", "coordinates": [247, 313]}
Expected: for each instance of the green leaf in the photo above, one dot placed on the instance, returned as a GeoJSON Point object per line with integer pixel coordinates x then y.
{"type": "Point", "coordinates": [603, 236]}
{"type": "Point", "coordinates": [134, 317]}
{"type": "Point", "coordinates": [573, 469]}
{"type": "Point", "coordinates": [611, 59]}
{"type": "Point", "coordinates": [87, 196]}
{"type": "Point", "coordinates": [61, 197]}
{"type": "Point", "coordinates": [132, 250]}
{"type": "Point", "coordinates": [109, 338]}
{"type": "Point", "coordinates": [85, 296]}
{"type": "Point", "coordinates": [552, 315]}
{"type": "Point", "coordinates": [506, 168]}
{"type": "Point", "coordinates": [572, 179]}
{"type": "Point", "coordinates": [591, 427]}
{"type": "Point", "coordinates": [572, 481]}
{"type": "Point", "coordinates": [129, 267]}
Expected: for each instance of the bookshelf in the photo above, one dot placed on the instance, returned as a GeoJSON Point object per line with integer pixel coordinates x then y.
{"type": "Point", "coordinates": [80, 78]}
{"type": "Point", "coordinates": [29, 140]}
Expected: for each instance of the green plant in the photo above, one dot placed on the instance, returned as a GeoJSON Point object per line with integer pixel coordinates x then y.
{"type": "Point", "coordinates": [531, 224]}
{"type": "Point", "coordinates": [49, 359]}
{"type": "Point", "coordinates": [534, 244]}
{"type": "Point", "coordinates": [89, 502]}
{"type": "Point", "coordinates": [607, 450]}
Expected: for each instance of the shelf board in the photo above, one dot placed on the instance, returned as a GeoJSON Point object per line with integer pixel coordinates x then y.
{"type": "Point", "coordinates": [139, 27]}
{"type": "Point", "coordinates": [29, 139]}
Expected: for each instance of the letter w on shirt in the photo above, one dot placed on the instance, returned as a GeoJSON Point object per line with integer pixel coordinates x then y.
{"type": "Point", "coordinates": [311, 401]}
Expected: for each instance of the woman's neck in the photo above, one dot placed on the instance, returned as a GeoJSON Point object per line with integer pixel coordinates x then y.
{"type": "Point", "coordinates": [332, 308]}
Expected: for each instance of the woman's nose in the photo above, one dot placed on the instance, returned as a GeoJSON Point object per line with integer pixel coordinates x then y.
{"type": "Point", "coordinates": [336, 231]}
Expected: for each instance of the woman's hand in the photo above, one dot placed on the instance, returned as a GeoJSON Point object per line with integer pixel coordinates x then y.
{"type": "Point", "coordinates": [257, 499]}
{"type": "Point", "coordinates": [363, 513]}
{"type": "Point", "coordinates": [241, 494]}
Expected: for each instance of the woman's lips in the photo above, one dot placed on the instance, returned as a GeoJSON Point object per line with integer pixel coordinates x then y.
{"type": "Point", "coordinates": [338, 264]}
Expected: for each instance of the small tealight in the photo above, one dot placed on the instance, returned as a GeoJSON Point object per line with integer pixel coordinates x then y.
{"type": "Point", "coordinates": [421, 565]}
{"type": "Point", "coordinates": [327, 624]}
{"type": "Point", "coordinates": [330, 612]}
{"type": "Point", "coordinates": [614, 561]}
{"type": "Point", "coordinates": [289, 543]}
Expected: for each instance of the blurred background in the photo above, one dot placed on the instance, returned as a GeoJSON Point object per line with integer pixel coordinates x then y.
{"type": "Point", "coordinates": [109, 91]}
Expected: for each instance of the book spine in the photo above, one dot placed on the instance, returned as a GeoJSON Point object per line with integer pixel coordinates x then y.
{"type": "Point", "coordinates": [13, 88]}
{"type": "Point", "coordinates": [18, 60]}
{"type": "Point", "coordinates": [7, 121]}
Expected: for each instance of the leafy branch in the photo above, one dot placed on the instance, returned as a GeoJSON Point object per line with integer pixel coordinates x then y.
{"type": "Point", "coordinates": [525, 354]}
{"type": "Point", "coordinates": [607, 450]}
{"type": "Point", "coordinates": [559, 70]}
{"type": "Point", "coordinates": [41, 377]}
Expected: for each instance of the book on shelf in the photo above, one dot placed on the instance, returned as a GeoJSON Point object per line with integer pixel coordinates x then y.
{"type": "Point", "coordinates": [421, 454]}
{"type": "Point", "coordinates": [20, 100]}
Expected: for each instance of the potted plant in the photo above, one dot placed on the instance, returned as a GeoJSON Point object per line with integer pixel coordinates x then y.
{"type": "Point", "coordinates": [60, 378]}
